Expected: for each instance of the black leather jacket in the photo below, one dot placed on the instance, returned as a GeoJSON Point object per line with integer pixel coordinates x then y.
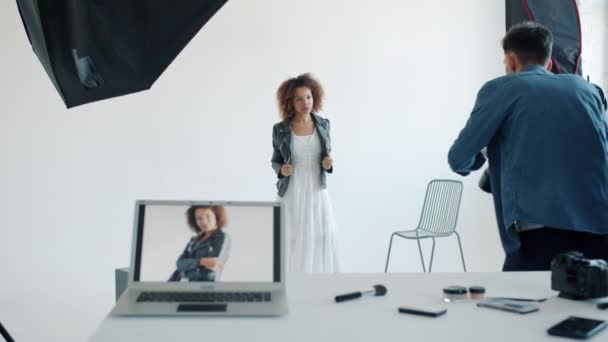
{"type": "Point", "coordinates": [281, 144]}
{"type": "Point", "coordinates": [216, 246]}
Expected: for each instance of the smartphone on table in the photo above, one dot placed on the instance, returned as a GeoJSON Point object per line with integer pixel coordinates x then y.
{"type": "Point", "coordinates": [422, 311]}
{"type": "Point", "coordinates": [577, 327]}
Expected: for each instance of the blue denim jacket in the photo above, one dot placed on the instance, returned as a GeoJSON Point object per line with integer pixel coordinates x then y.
{"type": "Point", "coordinates": [547, 143]}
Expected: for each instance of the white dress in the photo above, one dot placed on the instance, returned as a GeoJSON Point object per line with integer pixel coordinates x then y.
{"type": "Point", "coordinates": [309, 218]}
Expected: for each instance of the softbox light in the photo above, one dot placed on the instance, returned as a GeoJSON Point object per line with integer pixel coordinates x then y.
{"type": "Point", "coordinates": [562, 18]}
{"type": "Point", "coordinates": [98, 49]}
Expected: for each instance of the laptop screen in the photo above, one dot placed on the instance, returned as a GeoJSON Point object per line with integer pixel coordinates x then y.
{"type": "Point", "coordinates": [207, 242]}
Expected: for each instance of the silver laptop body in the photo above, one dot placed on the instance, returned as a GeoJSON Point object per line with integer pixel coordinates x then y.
{"type": "Point", "coordinates": [251, 282]}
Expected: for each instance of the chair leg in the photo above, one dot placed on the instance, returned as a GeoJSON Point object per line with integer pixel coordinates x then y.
{"type": "Point", "coordinates": [461, 254]}
{"type": "Point", "coordinates": [432, 253]}
{"type": "Point", "coordinates": [421, 257]}
{"type": "Point", "coordinates": [388, 255]}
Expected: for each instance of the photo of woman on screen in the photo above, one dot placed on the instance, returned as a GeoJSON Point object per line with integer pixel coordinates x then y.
{"type": "Point", "coordinates": [206, 253]}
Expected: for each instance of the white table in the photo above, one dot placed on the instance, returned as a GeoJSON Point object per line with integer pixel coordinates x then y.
{"type": "Point", "coordinates": [314, 316]}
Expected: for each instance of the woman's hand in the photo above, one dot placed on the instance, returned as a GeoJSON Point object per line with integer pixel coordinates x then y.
{"type": "Point", "coordinates": [327, 162]}
{"type": "Point", "coordinates": [287, 169]}
{"type": "Point", "coordinates": [210, 263]}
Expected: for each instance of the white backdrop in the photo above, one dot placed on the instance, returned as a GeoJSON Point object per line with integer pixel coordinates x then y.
{"type": "Point", "coordinates": [594, 17]}
{"type": "Point", "coordinates": [400, 75]}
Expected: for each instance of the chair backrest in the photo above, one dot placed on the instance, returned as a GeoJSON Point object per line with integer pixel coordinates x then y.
{"type": "Point", "coordinates": [441, 206]}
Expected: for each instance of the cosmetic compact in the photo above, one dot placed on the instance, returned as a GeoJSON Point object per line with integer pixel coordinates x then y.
{"type": "Point", "coordinates": [453, 293]}
{"type": "Point", "coordinates": [477, 292]}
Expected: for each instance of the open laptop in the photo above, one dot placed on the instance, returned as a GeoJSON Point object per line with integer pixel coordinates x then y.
{"type": "Point", "coordinates": [177, 270]}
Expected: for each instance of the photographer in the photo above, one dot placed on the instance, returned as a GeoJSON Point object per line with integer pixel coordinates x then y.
{"type": "Point", "coordinates": [547, 144]}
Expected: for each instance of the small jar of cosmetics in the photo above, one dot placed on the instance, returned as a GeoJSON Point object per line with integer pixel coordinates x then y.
{"type": "Point", "coordinates": [477, 292]}
{"type": "Point", "coordinates": [453, 293]}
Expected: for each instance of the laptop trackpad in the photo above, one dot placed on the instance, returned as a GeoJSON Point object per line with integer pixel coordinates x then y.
{"type": "Point", "coordinates": [201, 308]}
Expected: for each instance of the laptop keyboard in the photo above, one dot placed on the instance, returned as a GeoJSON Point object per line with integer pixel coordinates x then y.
{"type": "Point", "coordinates": [204, 297]}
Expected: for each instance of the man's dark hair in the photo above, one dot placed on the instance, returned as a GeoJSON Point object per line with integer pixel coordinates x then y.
{"type": "Point", "coordinates": [532, 43]}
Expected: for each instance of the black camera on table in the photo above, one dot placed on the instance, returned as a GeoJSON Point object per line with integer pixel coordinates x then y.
{"type": "Point", "coordinates": [577, 277]}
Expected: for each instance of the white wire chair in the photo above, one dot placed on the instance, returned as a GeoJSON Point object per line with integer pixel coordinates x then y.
{"type": "Point", "coordinates": [438, 219]}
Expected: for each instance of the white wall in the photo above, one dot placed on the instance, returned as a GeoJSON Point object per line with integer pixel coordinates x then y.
{"type": "Point", "coordinates": [401, 78]}
{"type": "Point", "coordinates": [594, 19]}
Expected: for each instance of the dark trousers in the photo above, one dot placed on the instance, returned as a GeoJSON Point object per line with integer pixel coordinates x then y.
{"type": "Point", "coordinates": [540, 246]}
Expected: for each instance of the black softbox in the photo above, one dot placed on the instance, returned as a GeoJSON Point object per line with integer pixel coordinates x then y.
{"type": "Point", "coordinates": [559, 16]}
{"type": "Point", "coordinates": [98, 49]}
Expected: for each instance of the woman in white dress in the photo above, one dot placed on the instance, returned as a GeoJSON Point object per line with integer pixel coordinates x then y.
{"type": "Point", "coordinates": [301, 160]}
